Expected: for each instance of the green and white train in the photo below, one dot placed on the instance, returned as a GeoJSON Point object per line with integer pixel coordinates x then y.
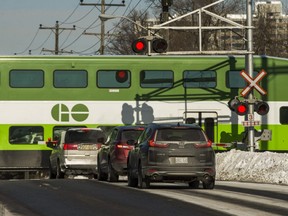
{"type": "Point", "coordinates": [42, 95]}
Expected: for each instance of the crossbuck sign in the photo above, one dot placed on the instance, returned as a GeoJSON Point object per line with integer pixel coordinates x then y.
{"type": "Point", "coordinates": [253, 83]}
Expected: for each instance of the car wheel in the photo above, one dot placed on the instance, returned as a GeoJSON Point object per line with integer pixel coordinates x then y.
{"type": "Point", "coordinates": [142, 182]}
{"type": "Point", "coordinates": [101, 176]}
{"type": "Point", "coordinates": [194, 184]}
{"type": "Point", "coordinates": [112, 175]}
{"type": "Point", "coordinates": [209, 184]}
{"type": "Point", "coordinates": [59, 173]}
{"type": "Point", "coordinates": [132, 181]}
{"type": "Point", "coordinates": [52, 175]}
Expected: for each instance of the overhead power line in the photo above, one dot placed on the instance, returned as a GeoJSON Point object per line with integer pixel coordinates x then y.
{"type": "Point", "coordinates": [103, 9]}
{"type": "Point", "coordinates": [57, 31]}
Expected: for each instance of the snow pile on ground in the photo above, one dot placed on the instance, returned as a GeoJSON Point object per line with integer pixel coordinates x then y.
{"type": "Point", "coordinates": [262, 167]}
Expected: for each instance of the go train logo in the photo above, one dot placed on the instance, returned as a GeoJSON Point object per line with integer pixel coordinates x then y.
{"type": "Point", "coordinates": [62, 113]}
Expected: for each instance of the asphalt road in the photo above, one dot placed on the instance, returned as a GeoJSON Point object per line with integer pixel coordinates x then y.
{"type": "Point", "coordinates": [69, 197]}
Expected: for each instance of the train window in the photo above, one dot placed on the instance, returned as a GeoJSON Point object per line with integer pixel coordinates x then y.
{"type": "Point", "coordinates": [199, 79]}
{"type": "Point", "coordinates": [26, 78]}
{"type": "Point", "coordinates": [113, 79]}
{"type": "Point", "coordinates": [25, 134]}
{"type": "Point", "coordinates": [70, 79]}
{"type": "Point", "coordinates": [235, 80]}
{"type": "Point", "coordinates": [156, 79]}
{"type": "Point", "coordinates": [283, 115]}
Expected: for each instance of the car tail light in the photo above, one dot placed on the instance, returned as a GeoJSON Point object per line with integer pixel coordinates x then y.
{"type": "Point", "coordinates": [121, 146]}
{"type": "Point", "coordinates": [152, 143]}
{"type": "Point", "coordinates": [98, 146]}
{"type": "Point", "coordinates": [204, 145]}
{"type": "Point", "coordinates": [68, 146]}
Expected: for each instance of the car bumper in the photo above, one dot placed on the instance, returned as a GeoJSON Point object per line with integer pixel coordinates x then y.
{"type": "Point", "coordinates": [79, 168]}
{"type": "Point", "coordinates": [181, 174]}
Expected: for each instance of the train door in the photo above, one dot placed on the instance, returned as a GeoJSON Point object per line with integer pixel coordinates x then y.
{"type": "Point", "coordinates": [207, 120]}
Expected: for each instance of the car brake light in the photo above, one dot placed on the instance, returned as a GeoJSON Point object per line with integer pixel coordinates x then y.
{"type": "Point", "coordinates": [152, 143]}
{"type": "Point", "coordinates": [68, 146]}
{"type": "Point", "coordinates": [204, 145]}
{"type": "Point", "coordinates": [120, 146]}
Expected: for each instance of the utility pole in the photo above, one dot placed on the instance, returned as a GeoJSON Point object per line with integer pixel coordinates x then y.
{"type": "Point", "coordinates": [103, 7]}
{"type": "Point", "coordinates": [250, 69]}
{"type": "Point", "coordinates": [57, 31]}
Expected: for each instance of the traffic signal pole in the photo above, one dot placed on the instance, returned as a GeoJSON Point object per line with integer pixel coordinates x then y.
{"type": "Point", "coordinates": [249, 69]}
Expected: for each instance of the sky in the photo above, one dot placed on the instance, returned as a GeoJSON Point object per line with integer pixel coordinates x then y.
{"type": "Point", "coordinates": [20, 21]}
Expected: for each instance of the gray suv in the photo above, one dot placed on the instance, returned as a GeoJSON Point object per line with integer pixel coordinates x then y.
{"type": "Point", "coordinates": [171, 153]}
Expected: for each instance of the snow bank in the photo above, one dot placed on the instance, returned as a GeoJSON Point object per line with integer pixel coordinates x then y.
{"type": "Point", "coordinates": [264, 167]}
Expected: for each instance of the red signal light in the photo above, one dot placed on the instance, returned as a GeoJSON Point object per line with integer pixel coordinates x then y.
{"type": "Point", "coordinates": [139, 45]}
{"type": "Point", "coordinates": [241, 108]}
{"type": "Point", "coordinates": [122, 76]}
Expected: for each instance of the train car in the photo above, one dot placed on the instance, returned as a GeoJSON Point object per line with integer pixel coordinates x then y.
{"type": "Point", "coordinates": [42, 95]}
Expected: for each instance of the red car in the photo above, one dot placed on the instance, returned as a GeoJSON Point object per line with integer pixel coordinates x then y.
{"type": "Point", "coordinates": [112, 156]}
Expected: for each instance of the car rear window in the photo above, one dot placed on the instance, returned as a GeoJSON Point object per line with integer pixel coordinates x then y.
{"type": "Point", "coordinates": [174, 134]}
{"type": "Point", "coordinates": [84, 136]}
{"type": "Point", "coordinates": [130, 135]}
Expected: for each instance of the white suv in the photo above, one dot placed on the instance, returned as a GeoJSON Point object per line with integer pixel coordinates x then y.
{"type": "Point", "coordinates": [76, 152]}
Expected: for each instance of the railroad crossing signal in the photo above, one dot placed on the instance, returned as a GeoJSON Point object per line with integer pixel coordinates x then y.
{"type": "Point", "coordinates": [140, 45]}
{"type": "Point", "coordinates": [261, 107]}
{"type": "Point", "coordinates": [159, 45]}
{"type": "Point", "coordinates": [253, 83]}
{"type": "Point", "coordinates": [240, 107]}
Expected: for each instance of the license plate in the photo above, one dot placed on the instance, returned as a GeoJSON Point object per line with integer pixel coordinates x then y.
{"type": "Point", "coordinates": [86, 147]}
{"type": "Point", "coordinates": [181, 160]}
